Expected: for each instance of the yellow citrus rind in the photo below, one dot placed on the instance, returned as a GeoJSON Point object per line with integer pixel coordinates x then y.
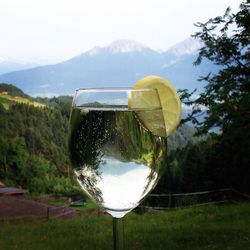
{"type": "Point", "coordinates": [164, 122]}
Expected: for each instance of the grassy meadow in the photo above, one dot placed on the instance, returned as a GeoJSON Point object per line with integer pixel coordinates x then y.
{"type": "Point", "coordinates": [88, 204]}
{"type": "Point", "coordinates": [6, 100]}
{"type": "Point", "coordinates": [209, 227]}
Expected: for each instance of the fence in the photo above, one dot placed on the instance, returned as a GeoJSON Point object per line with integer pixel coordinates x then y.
{"type": "Point", "coordinates": [173, 200]}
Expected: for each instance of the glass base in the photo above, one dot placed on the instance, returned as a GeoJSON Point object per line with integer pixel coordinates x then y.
{"type": "Point", "coordinates": [117, 213]}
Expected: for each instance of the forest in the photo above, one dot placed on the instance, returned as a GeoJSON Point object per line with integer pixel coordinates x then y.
{"type": "Point", "coordinates": [34, 144]}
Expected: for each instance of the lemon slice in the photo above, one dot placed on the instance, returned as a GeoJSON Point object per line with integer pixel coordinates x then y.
{"type": "Point", "coordinates": [164, 120]}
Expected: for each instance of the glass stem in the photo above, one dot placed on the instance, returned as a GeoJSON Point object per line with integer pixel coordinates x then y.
{"type": "Point", "coordinates": [118, 233]}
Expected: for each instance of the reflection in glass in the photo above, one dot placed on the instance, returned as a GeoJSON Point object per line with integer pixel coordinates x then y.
{"type": "Point", "coordinates": [116, 160]}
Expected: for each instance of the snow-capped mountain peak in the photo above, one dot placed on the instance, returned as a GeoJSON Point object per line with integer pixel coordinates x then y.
{"type": "Point", "coordinates": [125, 46]}
{"type": "Point", "coordinates": [188, 46]}
{"type": "Point", "coordinates": [118, 46]}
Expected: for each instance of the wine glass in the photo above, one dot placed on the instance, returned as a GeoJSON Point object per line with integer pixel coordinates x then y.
{"type": "Point", "coordinates": [116, 158]}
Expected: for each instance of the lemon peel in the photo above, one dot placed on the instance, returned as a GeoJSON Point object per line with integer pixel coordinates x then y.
{"type": "Point", "coordinates": [163, 121]}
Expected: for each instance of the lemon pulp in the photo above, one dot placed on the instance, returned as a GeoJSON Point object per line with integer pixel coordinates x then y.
{"type": "Point", "coordinates": [163, 121]}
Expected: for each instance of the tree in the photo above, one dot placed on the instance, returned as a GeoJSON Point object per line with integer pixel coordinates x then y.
{"type": "Point", "coordinates": [226, 97]}
{"type": "Point", "coordinates": [226, 42]}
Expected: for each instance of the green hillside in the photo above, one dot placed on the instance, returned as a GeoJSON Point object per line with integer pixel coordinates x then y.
{"type": "Point", "coordinates": [36, 139]}
{"type": "Point", "coordinates": [10, 94]}
{"type": "Point", "coordinates": [7, 100]}
{"type": "Point", "coordinates": [33, 145]}
{"type": "Point", "coordinates": [32, 138]}
{"type": "Point", "coordinates": [12, 90]}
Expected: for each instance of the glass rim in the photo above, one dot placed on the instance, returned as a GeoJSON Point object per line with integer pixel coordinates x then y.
{"type": "Point", "coordinates": [109, 97]}
{"type": "Point", "coordinates": [113, 89]}
{"type": "Point", "coordinates": [89, 88]}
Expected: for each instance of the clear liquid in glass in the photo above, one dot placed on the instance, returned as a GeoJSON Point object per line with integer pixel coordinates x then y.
{"type": "Point", "coordinates": [117, 162]}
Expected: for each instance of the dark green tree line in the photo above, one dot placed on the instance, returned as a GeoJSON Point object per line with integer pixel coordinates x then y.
{"type": "Point", "coordinates": [225, 101]}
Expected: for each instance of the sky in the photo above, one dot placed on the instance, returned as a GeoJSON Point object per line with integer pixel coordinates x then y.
{"type": "Point", "coordinates": [56, 30]}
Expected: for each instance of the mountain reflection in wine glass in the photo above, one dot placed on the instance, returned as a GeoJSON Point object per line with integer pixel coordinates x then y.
{"type": "Point", "coordinates": [116, 161]}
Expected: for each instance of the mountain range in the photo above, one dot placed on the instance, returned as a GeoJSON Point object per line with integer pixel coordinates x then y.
{"type": "Point", "coordinates": [8, 64]}
{"type": "Point", "coordinates": [120, 64]}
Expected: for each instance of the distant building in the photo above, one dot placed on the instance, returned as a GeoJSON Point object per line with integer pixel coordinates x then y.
{"type": "Point", "coordinates": [4, 93]}
{"type": "Point", "coordinates": [11, 190]}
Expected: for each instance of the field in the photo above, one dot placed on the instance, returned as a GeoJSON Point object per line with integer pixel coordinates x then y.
{"type": "Point", "coordinates": [6, 100]}
{"type": "Point", "coordinates": [209, 227]}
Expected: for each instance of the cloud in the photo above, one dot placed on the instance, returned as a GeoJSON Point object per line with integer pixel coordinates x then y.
{"type": "Point", "coordinates": [50, 29]}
